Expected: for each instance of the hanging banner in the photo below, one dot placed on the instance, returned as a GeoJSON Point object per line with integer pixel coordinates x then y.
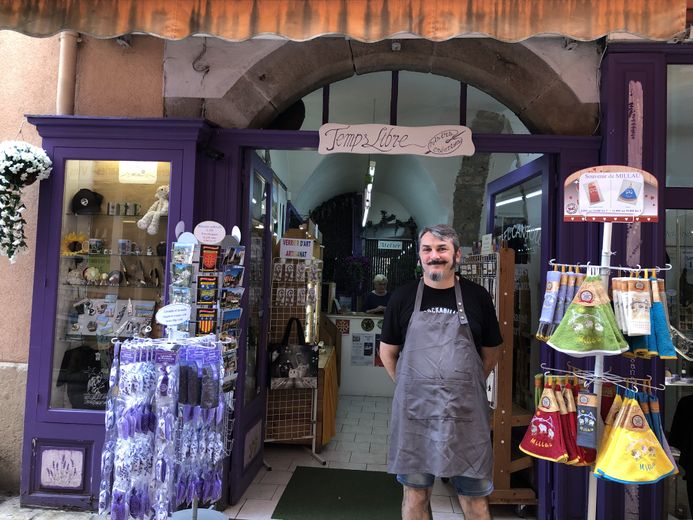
{"type": "Point", "coordinates": [436, 141]}
{"type": "Point", "coordinates": [610, 194]}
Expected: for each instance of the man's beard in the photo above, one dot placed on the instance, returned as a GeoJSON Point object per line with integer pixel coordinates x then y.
{"type": "Point", "coordinates": [437, 276]}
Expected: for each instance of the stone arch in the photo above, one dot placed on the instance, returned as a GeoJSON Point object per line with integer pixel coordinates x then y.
{"type": "Point", "coordinates": [510, 72]}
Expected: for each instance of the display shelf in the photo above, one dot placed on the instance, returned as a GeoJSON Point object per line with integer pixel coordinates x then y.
{"type": "Point", "coordinates": [107, 215]}
{"type": "Point", "coordinates": [101, 255]}
{"type": "Point", "coordinates": [102, 287]}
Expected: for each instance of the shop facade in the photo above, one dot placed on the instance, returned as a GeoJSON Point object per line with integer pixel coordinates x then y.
{"type": "Point", "coordinates": [213, 171]}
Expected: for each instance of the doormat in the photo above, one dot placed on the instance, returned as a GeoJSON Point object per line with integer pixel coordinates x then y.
{"type": "Point", "coordinates": [340, 494]}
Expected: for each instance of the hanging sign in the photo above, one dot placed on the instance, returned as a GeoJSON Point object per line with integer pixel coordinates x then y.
{"type": "Point", "coordinates": [610, 194]}
{"type": "Point", "coordinates": [297, 248]}
{"type": "Point", "coordinates": [209, 232]}
{"type": "Point", "coordinates": [395, 245]}
{"type": "Point", "coordinates": [436, 141]}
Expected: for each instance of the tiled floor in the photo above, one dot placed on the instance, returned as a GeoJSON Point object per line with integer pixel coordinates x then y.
{"type": "Point", "coordinates": [360, 443]}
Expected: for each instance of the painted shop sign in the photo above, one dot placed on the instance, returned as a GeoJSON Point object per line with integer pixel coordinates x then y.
{"type": "Point", "coordinates": [390, 244]}
{"type": "Point", "coordinates": [436, 141]}
{"type": "Point", "coordinates": [610, 194]}
{"type": "Point", "coordinates": [297, 248]}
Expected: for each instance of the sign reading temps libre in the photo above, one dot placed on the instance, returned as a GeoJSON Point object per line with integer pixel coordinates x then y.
{"type": "Point", "coordinates": [610, 194]}
{"type": "Point", "coordinates": [436, 141]}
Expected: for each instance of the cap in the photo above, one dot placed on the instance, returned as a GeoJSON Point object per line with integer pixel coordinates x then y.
{"type": "Point", "coordinates": [86, 202]}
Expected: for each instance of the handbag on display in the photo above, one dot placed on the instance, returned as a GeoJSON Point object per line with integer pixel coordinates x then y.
{"type": "Point", "coordinates": [293, 365]}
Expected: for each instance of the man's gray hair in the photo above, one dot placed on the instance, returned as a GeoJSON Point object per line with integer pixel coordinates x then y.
{"type": "Point", "coordinates": [442, 232]}
{"type": "Point", "coordinates": [379, 278]}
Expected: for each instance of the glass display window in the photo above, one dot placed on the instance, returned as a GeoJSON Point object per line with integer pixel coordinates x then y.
{"type": "Point", "coordinates": [111, 273]}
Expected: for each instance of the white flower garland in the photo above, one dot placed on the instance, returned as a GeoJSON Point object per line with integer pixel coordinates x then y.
{"type": "Point", "coordinates": [21, 164]}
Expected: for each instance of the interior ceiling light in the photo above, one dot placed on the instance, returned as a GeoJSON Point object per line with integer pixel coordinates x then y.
{"type": "Point", "coordinates": [367, 192]}
{"type": "Point", "coordinates": [518, 198]}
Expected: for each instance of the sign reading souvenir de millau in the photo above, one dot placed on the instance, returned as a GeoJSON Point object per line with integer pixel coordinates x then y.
{"type": "Point", "coordinates": [435, 141]}
{"type": "Point", "coordinates": [610, 194]}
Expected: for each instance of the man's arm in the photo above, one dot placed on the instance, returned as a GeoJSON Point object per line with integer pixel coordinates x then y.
{"type": "Point", "coordinates": [389, 354]}
{"type": "Point", "coordinates": [489, 358]}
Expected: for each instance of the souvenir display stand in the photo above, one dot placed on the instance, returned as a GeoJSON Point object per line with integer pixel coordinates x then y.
{"type": "Point", "coordinates": [586, 326]}
{"type": "Point", "coordinates": [495, 272]}
{"type": "Point", "coordinates": [292, 407]}
{"type": "Point", "coordinates": [166, 429]}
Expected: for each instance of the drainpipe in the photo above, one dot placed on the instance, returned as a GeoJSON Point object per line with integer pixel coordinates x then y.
{"type": "Point", "coordinates": [67, 77]}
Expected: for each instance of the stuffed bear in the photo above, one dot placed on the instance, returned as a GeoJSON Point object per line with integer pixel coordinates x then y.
{"type": "Point", "coordinates": [150, 220]}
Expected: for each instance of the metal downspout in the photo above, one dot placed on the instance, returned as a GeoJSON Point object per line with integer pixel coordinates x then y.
{"type": "Point", "coordinates": [67, 74]}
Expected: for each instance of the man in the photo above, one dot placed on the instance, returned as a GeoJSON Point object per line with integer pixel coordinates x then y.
{"type": "Point", "coordinates": [376, 300]}
{"type": "Point", "coordinates": [438, 344]}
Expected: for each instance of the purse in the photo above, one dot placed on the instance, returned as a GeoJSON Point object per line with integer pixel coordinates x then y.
{"type": "Point", "coordinates": [293, 365]}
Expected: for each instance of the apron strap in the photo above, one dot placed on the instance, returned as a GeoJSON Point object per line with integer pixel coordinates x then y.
{"type": "Point", "coordinates": [460, 306]}
{"type": "Point", "coordinates": [458, 298]}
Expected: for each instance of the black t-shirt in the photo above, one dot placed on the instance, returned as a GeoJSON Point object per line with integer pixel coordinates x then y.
{"type": "Point", "coordinates": [85, 373]}
{"type": "Point", "coordinates": [372, 300]}
{"type": "Point", "coordinates": [478, 306]}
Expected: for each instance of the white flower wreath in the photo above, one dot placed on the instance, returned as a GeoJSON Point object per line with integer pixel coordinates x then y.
{"type": "Point", "coordinates": [21, 164]}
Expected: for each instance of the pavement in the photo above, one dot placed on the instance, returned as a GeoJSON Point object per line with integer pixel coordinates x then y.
{"type": "Point", "coordinates": [10, 510]}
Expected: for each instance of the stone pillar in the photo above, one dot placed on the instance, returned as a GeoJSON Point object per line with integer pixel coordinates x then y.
{"type": "Point", "coordinates": [470, 185]}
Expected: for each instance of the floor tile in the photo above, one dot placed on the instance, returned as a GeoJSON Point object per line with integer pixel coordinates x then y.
{"type": "Point", "coordinates": [348, 420]}
{"type": "Point", "coordinates": [336, 456]}
{"type": "Point", "coordinates": [346, 465]}
{"type": "Point", "coordinates": [381, 430]}
{"type": "Point", "coordinates": [360, 415]}
{"type": "Point", "coordinates": [261, 491]}
{"type": "Point", "coordinates": [377, 467]}
{"type": "Point", "coordinates": [232, 511]}
{"type": "Point", "coordinates": [257, 510]}
{"type": "Point", "coordinates": [312, 463]}
{"type": "Point", "coordinates": [364, 437]}
{"type": "Point", "coordinates": [362, 447]}
{"type": "Point", "coordinates": [377, 447]}
{"type": "Point", "coordinates": [368, 458]}
{"type": "Point", "coordinates": [439, 488]}
{"type": "Point", "coordinates": [447, 516]}
{"type": "Point", "coordinates": [441, 504]}
{"type": "Point", "coordinates": [345, 436]}
{"type": "Point", "coordinates": [277, 477]}
{"type": "Point", "coordinates": [357, 428]}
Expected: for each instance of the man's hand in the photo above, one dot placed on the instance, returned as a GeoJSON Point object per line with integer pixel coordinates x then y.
{"type": "Point", "coordinates": [489, 358]}
{"type": "Point", "coordinates": [389, 354]}
{"type": "Point", "coordinates": [380, 309]}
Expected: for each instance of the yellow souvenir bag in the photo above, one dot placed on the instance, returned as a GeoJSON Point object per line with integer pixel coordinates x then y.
{"type": "Point", "coordinates": [633, 455]}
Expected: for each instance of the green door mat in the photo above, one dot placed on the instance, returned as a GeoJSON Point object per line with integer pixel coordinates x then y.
{"type": "Point", "coordinates": [340, 494]}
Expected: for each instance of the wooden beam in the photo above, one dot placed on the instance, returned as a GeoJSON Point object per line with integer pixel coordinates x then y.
{"type": "Point", "coordinates": [521, 463]}
{"type": "Point", "coordinates": [513, 496]}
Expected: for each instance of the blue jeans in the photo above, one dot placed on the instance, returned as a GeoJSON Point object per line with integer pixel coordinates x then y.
{"type": "Point", "coordinates": [470, 487]}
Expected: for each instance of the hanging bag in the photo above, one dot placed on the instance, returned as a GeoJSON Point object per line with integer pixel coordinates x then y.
{"type": "Point", "coordinates": [293, 365]}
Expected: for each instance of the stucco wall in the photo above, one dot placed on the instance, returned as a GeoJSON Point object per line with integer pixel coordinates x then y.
{"type": "Point", "coordinates": [113, 80]}
{"type": "Point", "coordinates": [28, 85]}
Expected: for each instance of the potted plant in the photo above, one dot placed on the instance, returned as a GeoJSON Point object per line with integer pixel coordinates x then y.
{"type": "Point", "coordinates": [21, 164]}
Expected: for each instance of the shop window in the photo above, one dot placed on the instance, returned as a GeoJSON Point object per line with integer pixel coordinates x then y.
{"type": "Point", "coordinates": [111, 272]}
{"type": "Point", "coordinates": [427, 99]}
{"type": "Point", "coordinates": [679, 125]}
{"type": "Point", "coordinates": [361, 99]}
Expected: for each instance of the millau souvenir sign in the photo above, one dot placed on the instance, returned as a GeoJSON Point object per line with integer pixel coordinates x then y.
{"type": "Point", "coordinates": [610, 194]}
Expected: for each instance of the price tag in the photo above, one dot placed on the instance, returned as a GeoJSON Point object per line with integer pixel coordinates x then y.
{"type": "Point", "coordinates": [173, 314]}
{"type": "Point", "coordinates": [209, 232]}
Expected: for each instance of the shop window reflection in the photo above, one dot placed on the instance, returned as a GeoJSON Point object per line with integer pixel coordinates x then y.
{"type": "Point", "coordinates": [517, 222]}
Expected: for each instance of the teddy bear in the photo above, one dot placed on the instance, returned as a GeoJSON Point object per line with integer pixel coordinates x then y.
{"type": "Point", "coordinates": [150, 220]}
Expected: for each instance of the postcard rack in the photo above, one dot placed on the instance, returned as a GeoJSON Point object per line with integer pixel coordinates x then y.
{"type": "Point", "coordinates": [292, 413]}
{"type": "Point", "coordinates": [496, 273]}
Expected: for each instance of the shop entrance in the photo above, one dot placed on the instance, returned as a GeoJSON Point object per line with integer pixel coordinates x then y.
{"type": "Point", "coordinates": [526, 225]}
